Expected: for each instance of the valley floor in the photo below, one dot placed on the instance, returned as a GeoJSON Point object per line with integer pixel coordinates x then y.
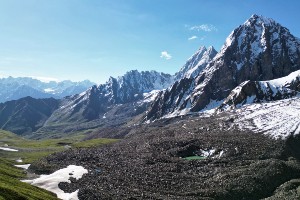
{"type": "Point", "coordinates": [150, 163]}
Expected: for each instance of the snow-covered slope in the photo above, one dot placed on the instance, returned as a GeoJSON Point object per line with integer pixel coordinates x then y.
{"type": "Point", "coordinates": [250, 92]}
{"type": "Point", "coordinates": [16, 88]}
{"type": "Point", "coordinates": [258, 50]}
{"type": "Point", "coordinates": [278, 119]}
{"type": "Point", "coordinates": [196, 63]}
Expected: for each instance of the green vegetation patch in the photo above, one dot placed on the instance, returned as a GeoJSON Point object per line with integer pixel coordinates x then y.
{"type": "Point", "coordinates": [32, 150]}
{"type": "Point", "coordinates": [195, 158]}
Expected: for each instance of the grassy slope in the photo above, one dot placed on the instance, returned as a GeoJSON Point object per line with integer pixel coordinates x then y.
{"type": "Point", "coordinates": [30, 150]}
{"type": "Point", "coordinates": [12, 188]}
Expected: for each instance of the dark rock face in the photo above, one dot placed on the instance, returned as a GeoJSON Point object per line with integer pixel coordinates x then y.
{"type": "Point", "coordinates": [169, 100]}
{"type": "Point", "coordinates": [149, 163]}
{"type": "Point", "coordinates": [26, 115]}
{"type": "Point", "coordinates": [260, 49]}
{"type": "Point", "coordinates": [262, 91]}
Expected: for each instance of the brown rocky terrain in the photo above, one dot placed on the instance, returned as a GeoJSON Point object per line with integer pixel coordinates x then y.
{"type": "Point", "coordinates": [150, 163]}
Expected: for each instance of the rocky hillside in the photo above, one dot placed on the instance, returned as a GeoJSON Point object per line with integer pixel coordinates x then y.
{"type": "Point", "coordinates": [184, 158]}
{"type": "Point", "coordinates": [258, 50]}
{"type": "Point", "coordinates": [26, 115]}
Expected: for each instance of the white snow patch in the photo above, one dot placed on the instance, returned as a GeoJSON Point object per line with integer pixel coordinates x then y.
{"type": "Point", "coordinates": [23, 166]}
{"type": "Point", "coordinates": [19, 160]}
{"type": "Point", "coordinates": [207, 153]}
{"type": "Point", "coordinates": [49, 90]}
{"type": "Point", "coordinates": [219, 155]}
{"type": "Point", "coordinates": [50, 182]}
{"type": "Point", "coordinates": [7, 149]}
{"type": "Point", "coordinates": [150, 96]}
{"type": "Point", "coordinates": [211, 107]}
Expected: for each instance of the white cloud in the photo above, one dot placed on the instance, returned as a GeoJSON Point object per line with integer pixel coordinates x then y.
{"type": "Point", "coordinates": [165, 55]}
{"type": "Point", "coordinates": [204, 27]}
{"type": "Point", "coordinates": [193, 37]}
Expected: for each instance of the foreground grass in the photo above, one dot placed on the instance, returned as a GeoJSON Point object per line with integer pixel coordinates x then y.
{"type": "Point", "coordinates": [12, 188]}
{"type": "Point", "coordinates": [29, 151]}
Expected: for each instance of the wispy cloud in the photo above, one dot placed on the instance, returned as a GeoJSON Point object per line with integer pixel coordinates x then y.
{"type": "Point", "coordinates": [204, 27]}
{"type": "Point", "coordinates": [165, 55]}
{"type": "Point", "coordinates": [193, 37]}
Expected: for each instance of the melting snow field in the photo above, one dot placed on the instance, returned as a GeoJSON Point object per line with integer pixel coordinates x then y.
{"type": "Point", "coordinates": [50, 182]}
{"type": "Point", "coordinates": [278, 119]}
{"type": "Point", "coordinates": [7, 149]}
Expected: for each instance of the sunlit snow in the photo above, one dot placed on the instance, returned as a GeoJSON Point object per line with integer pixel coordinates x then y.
{"type": "Point", "coordinates": [7, 149]}
{"type": "Point", "coordinates": [23, 166]}
{"type": "Point", "coordinates": [279, 119]}
{"type": "Point", "coordinates": [50, 182]}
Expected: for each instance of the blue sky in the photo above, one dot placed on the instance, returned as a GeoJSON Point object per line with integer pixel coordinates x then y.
{"type": "Point", "coordinates": [95, 39]}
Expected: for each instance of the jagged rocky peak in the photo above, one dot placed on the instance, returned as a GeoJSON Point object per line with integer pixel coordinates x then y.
{"type": "Point", "coordinates": [250, 92]}
{"type": "Point", "coordinates": [97, 100]}
{"type": "Point", "coordinates": [196, 63]}
{"type": "Point", "coordinates": [145, 81]}
{"type": "Point", "coordinates": [258, 50]}
{"type": "Point", "coordinates": [259, 35]}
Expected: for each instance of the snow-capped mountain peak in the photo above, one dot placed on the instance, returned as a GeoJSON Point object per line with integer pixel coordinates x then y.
{"type": "Point", "coordinates": [259, 19]}
{"type": "Point", "coordinates": [196, 63]}
{"type": "Point", "coordinates": [257, 35]}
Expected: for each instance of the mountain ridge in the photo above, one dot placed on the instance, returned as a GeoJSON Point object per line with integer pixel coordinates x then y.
{"type": "Point", "coordinates": [253, 52]}
{"type": "Point", "coordinates": [15, 88]}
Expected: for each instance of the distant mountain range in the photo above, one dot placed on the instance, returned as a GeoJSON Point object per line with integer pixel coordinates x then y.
{"type": "Point", "coordinates": [258, 63]}
{"type": "Point", "coordinates": [15, 88]}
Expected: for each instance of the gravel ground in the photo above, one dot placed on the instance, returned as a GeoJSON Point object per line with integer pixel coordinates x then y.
{"type": "Point", "coordinates": [149, 163]}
